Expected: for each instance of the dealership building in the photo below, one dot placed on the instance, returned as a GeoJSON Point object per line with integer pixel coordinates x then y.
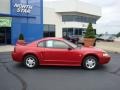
{"type": "Point", "coordinates": [36, 19]}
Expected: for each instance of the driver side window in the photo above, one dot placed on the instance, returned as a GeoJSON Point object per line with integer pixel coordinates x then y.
{"type": "Point", "coordinates": [56, 44]}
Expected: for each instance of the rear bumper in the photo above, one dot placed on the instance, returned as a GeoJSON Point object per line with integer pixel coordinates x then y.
{"type": "Point", "coordinates": [16, 57]}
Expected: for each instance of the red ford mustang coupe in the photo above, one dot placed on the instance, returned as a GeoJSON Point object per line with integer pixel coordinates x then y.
{"type": "Point", "coordinates": [59, 52]}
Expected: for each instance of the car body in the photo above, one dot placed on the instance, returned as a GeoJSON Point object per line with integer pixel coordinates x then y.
{"type": "Point", "coordinates": [60, 52]}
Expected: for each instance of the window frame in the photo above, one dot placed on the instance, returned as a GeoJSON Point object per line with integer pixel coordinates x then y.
{"type": "Point", "coordinates": [44, 42]}
{"type": "Point", "coordinates": [41, 42]}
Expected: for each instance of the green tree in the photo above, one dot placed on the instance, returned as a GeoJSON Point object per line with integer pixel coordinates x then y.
{"type": "Point", "coordinates": [90, 32]}
{"type": "Point", "coordinates": [21, 37]}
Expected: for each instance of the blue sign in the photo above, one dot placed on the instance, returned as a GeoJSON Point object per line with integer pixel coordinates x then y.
{"type": "Point", "coordinates": [29, 20]}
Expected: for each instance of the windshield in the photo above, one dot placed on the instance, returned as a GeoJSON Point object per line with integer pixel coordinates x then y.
{"type": "Point", "coordinates": [71, 44]}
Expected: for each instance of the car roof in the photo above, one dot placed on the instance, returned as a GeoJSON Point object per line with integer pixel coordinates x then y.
{"type": "Point", "coordinates": [44, 39]}
{"type": "Point", "coordinates": [50, 38]}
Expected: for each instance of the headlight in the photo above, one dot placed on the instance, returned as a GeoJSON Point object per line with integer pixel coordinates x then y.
{"type": "Point", "coordinates": [105, 54]}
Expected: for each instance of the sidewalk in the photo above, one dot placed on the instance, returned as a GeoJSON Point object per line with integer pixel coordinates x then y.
{"type": "Point", "coordinates": [6, 48]}
{"type": "Point", "coordinates": [109, 46]}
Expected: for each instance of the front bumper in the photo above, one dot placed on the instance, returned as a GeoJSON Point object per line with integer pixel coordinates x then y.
{"type": "Point", "coordinates": [105, 59]}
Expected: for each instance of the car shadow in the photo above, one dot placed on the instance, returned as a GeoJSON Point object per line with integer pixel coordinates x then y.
{"type": "Point", "coordinates": [21, 66]}
{"type": "Point", "coordinates": [60, 67]}
{"type": "Point", "coordinates": [102, 67]}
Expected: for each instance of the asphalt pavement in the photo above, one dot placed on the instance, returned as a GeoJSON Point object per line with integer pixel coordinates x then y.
{"type": "Point", "coordinates": [14, 76]}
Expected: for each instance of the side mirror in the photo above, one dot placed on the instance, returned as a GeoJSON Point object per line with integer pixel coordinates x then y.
{"type": "Point", "coordinates": [70, 48]}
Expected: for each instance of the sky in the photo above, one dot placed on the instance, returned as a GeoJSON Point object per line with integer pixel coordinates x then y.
{"type": "Point", "coordinates": [110, 20]}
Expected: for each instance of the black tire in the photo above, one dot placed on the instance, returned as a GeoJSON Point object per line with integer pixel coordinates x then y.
{"type": "Point", "coordinates": [30, 61]}
{"type": "Point", "coordinates": [90, 63]}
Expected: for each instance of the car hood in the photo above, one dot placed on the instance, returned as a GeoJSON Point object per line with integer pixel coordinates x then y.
{"type": "Point", "coordinates": [92, 49]}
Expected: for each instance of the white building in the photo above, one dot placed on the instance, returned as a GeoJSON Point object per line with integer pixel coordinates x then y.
{"type": "Point", "coordinates": [68, 17]}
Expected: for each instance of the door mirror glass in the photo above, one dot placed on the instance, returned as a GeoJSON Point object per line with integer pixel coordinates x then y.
{"type": "Point", "coordinates": [70, 48]}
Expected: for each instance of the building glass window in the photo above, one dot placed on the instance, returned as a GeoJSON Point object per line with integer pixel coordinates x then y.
{"type": "Point", "coordinates": [72, 31]}
{"type": "Point", "coordinates": [67, 18]}
{"type": "Point", "coordinates": [76, 32]}
{"type": "Point", "coordinates": [49, 30]}
{"type": "Point", "coordinates": [77, 18]}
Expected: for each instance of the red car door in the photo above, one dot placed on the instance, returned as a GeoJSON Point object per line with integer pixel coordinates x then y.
{"type": "Point", "coordinates": [57, 53]}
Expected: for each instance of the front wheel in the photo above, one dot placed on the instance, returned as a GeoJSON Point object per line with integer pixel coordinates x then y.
{"type": "Point", "coordinates": [90, 62]}
{"type": "Point", "coordinates": [30, 61]}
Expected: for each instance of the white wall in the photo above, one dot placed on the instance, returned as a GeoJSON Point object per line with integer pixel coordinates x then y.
{"type": "Point", "coordinates": [51, 17]}
{"type": "Point", "coordinates": [73, 6]}
{"type": "Point", "coordinates": [5, 6]}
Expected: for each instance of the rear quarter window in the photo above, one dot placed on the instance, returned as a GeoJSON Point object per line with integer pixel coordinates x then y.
{"type": "Point", "coordinates": [41, 44]}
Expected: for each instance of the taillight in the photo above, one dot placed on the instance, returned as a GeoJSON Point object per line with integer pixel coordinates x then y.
{"type": "Point", "coordinates": [14, 49]}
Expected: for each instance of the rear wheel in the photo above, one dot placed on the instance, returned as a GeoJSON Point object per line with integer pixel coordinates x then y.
{"type": "Point", "coordinates": [90, 62]}
{"type": "Point", "coordinates": [30, 61]}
